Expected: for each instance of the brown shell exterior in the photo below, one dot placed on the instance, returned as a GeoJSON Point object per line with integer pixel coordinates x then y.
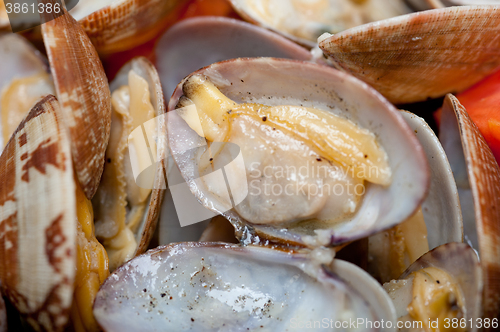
{"type": "Point", "coordinates": [127, 24]}
{"type": "Point", "coordinates": [484, 179]}
{"type": "Point", "coordinates": [38, 219]}
{"type": "Point", "coordinates": [422, 55]}
{"type": "Point", "coordinates": [83, 92]}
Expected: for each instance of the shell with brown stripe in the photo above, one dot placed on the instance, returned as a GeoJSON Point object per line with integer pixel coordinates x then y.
{"type": "Point", "coordinates": [484, 179]}
{"type": "Point", "coordinates": [38, 218]}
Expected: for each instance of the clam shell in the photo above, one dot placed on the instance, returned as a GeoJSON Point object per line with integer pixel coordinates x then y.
{"type": "Point", "coordinates": [83, 92]}
{"type": "Point", "coordinates": [224, 287]}
{"type": "Point", "coordinates": [441, 207]}
{"type": "Point", "coordinates": [197, 42]}
{"type": "Point", "coordinates": [38, 218]}
{"type": "Point", "coordinates": [483, 175]}
{"type": "Point", "coordinates": [146, 70]}
{"type": "Point", "coordinates": [119, 25]}
{"type": "Point", "coordinates": [19, 59]}
{"type": "Point", "coordinates": [422, 55]}
{"type": "Point", "coordinates": [276, 82]}
{"type": "Point", "coordinates": [461, 262]}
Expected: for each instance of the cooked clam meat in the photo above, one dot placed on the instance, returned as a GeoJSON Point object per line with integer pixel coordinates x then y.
{"type": "Point", "coordinates": [120, 203]}
{"type": "Point", "coordinates": [301, 163]}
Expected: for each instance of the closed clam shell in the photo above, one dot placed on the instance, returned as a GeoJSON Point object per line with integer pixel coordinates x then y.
{"type": "Point", "coordinates": [38, 218]}
{"type": "Point", "coordinates": [462, 139]}
{"type": "Point", "coordinates": [286, 82]}
{"type": "Point", "coordinates": [119, 25]}
{"type": "Point", "coordinates": [19, 59]}
{"type": "Point", "coordinates": [421, 55]}
{"type": "Point", "coordinates": [83, 92]}
{"type": "Point", "coordinates": [147, 71]}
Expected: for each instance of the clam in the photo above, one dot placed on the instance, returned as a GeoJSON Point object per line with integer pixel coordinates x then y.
{"type": "Point", "coordinates": [82, 89]}
{"type": "Point", "coordinates": [445, 283]}
{"type": "Point", "coordinates": [478, 178]}
{"type": "Point", "coordinates": [126, 206]}
{"type": "Point", "coordinates": [119, 25]}
{"type": "Point", "coordinates": [421, 55]}
{"type": "Point", "coordinates": [24, 79]}
{"type": "Point", "coordinates": [392, 191]}
{"type": "Point", "coordinates": [304, 21]}
{"type": "Point", "coordinates": [226, 287]}
{"type": "Point", "coordinates": [392, 251]}
{"type": "Point", "coordinates": [38, 256]}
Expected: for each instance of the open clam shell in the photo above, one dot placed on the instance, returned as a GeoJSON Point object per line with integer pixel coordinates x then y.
{"type": "Point", "coordinates": [304, 21]}
{"type": "Point", "coordinates": [478, 174]}
{"type": "Point", "coordinates": [117, 205]}
{"type": "Point", "coordinates": [119, 25]}
{"type": "Point", "coordinates": [83, 92]}
{"type": "Point", "coordinates": [422, 55]}
{"type": "Point", "coordinates": [285, 82]}
{"type": "Point", "coordinates": [37, 212]}
{"type": "Point", "coordinates": [461, 263]}
{"type": "Point", "coordinates": [20, 60]}
{"type": "Point", "coordinates": [224, 287]}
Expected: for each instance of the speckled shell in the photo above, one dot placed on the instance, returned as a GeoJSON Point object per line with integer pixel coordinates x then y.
{"type": "Point", "coordinates": [38, 218]}
{"type": "Point", "coordinates": [147, 281]}
{"type": "Point", "coordinates": [484, 180]}
{"type": "Point", "coordinates": [422, 55]}
{"type": "Point", "coordinates": [83, 92]}
{"type": "Point", "coordinates": [146, 70]}
{"type": "Point", "coordinates": [286, 82]}
{"type": "Point", "coordinates": [126, 23]}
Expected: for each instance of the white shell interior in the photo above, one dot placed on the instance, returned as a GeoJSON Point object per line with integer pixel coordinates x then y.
{"type": "Point", "coordinates": [441, 208]}
{"type": "Point", "coordinates": [218, 287]}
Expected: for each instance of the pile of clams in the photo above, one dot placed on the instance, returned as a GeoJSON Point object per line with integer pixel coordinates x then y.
{"type": "Point", "coordinates": [249, 176]}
